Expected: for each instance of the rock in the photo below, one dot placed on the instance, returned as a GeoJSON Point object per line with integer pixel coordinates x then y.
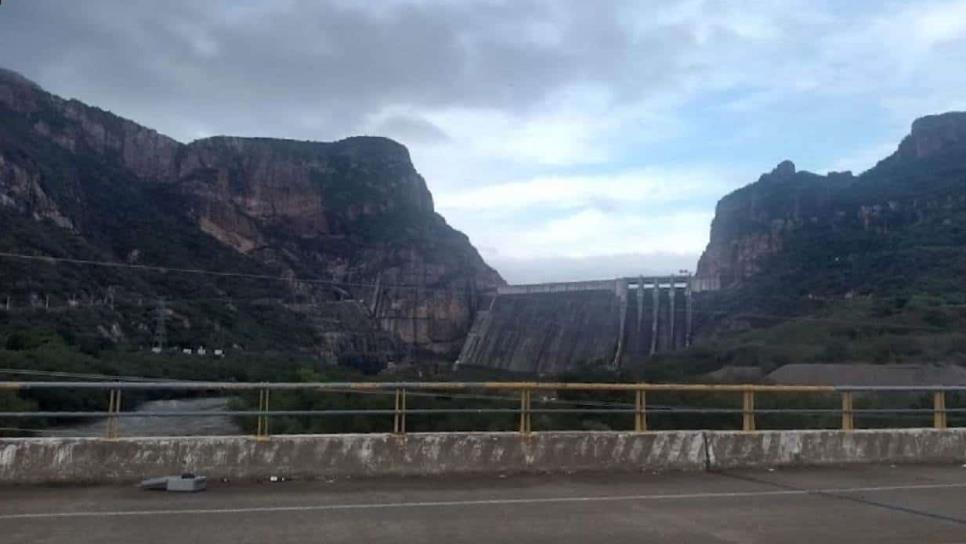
{"type": "Point", "coordinates": [784, 170]}
{"type": "Point", "coordinates": [185, 483]}
{"type": "Point", "coordinates": [935, 134]}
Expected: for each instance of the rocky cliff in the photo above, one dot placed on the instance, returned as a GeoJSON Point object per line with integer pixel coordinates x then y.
{"type": "Point", "coordinates": [749, 223]}
{"type": "Point", "coordinates": [384, 275]}
{"type": "Point", "coordinates": [899, 223]}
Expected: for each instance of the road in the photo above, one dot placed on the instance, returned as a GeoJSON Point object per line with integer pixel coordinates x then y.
{"type": "Point", "coordinates": [858, 504]}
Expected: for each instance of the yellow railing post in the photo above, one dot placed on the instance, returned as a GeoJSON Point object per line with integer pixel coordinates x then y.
{"type": "Point", "coordinates": [268, 392]}
{"type": "Point", "coordinates": [848, 417]}
{"type": "Point", "coordinates": [640, 416]}
{"type": "Point", "coordinates": [748, 410]}
{"type": "Point", "coordinates": [262, 431]}
{"type": "Point", "coordinates": [525, 411]}
{"type": "Point", "coordinates": [399, 423]}
{"type": "Point", "coordinates": [110, 412]}
{"type": "Point", "coordinates": [258, 420]}
{"type": "Point", "coordinates": [939, 410]}
{"type": "Point", "coordinates": [113, 407]}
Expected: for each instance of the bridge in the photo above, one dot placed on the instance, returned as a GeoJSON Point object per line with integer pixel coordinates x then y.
{"type": "Point", "coordinates": [679, 462]}
{"type": "Point", "coordinates": [551, 328]}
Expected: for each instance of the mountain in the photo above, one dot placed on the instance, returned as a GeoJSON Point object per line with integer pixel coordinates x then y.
{"type": "Point", "coordinates": [330, 249]}
{"type": "Point", "coordinates": [898, 227]}
{"type": "Point", "coordinates": [839, 268]}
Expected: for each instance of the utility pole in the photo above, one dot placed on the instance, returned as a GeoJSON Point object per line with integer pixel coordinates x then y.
{"type": "Point", "coordinates": [620, 289]}
{"type": "Point", "coordinates": [670, 314]}
{"type": "Point", "coordinates": [414, 314]}
{"type": "Point", "coordinates": [640, 312]}
{"type": "Point", "coordinates": [689, 311]}
{"type": "Point", "coordinates": [656, 306]}
{"type": "Point", "coordinates": [160, 333]}
{"type": "Point", "coordinates": [374, 307]}
{"type": "Point", "coordinates": [325, 348]}
{"type": "Point", "coordinates": [320, 329]}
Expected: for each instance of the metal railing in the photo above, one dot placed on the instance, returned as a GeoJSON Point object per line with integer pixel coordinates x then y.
{"type": "Point", "coordinates": [522, 390]}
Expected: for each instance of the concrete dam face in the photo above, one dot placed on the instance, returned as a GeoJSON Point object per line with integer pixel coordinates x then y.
{"type": "Point", "coordinates": [557, 327]}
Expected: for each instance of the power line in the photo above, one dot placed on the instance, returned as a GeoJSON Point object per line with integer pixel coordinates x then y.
{"type": "Point", "coordinates": [82, 376]}
{"type": "Point", "coordinates": [315, 281]}
{"type": "Point", "coordinates": [865, 323]}
{"type": "Point", "coordinates": [200, 271]}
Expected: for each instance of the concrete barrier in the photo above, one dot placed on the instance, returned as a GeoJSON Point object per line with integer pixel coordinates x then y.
{"type": "Point", "coordinates": [789, 448]}
{"type": "Point", "coordinates": [86, 460]}
{"type": "Point", "coordinates": [81, 460]}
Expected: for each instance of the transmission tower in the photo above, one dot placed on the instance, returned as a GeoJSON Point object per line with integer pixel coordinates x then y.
{"type": "Point", "coordinates": [160, 333]}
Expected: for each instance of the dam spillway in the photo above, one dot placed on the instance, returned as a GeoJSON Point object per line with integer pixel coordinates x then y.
{"type": "Point", "coordinates": [553, 328]}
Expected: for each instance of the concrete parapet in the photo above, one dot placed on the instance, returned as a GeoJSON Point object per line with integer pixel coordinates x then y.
{"type": "Point", "coordinates": [788, 448]}
{"type": "Point", "coordinates": [692, 283]}
{"type": "Point", "coordinates": [88, 460]}
{"type": "Point", "coordinates": [80, 460]}
{"type": "Point", "coordinates": [561, 287]}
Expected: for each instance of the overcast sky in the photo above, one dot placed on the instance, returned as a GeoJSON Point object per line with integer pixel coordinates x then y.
{"type": "Point", "coordinates": [569, 139]}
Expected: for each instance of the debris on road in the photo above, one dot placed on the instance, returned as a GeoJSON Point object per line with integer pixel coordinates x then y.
{"type": "Point", "coordinates": [186, 483]}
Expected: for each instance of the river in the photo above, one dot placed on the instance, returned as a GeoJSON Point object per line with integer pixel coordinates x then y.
{"type": "Point", "coordinates": [213, 425]}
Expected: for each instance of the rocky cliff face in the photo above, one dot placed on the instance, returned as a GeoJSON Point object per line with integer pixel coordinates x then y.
{"type": "Point", "coordinates": [848, 232]}
{"type": "Point", "coordinates": [750, 223]}
{"type": "Point", "coordinates": [934, 135]}
{"type": "Point", "coordinates": [80, 128]}
{"type": "Point", "coordinates": [357, 210]}
{"type": "Point", "coordinates": [307, 190]}
{"type": "Point", "coordinates": [353, 216]}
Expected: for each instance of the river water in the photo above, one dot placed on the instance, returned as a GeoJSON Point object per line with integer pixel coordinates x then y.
{"type": "Point", "coordinates": [213, 425]}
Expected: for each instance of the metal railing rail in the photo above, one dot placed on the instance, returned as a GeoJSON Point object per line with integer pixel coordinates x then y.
{"type": "Point", "coordinates": [401, 390]}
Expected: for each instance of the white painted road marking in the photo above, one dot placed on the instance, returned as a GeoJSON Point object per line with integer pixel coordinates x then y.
{"type": "Point", "coordinates": [480, 502]}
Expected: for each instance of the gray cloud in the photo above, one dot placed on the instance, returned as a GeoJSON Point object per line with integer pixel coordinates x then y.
{"type": "Point", "coordinates": [407, 128]}
{"type": "Point", "coordinates": [553, 269]}
{"type": "Point", "coordinates": [317, 69]}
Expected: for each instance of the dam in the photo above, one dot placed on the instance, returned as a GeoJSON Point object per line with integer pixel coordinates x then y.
{"type": "Point", "coordinates": [553, 328]}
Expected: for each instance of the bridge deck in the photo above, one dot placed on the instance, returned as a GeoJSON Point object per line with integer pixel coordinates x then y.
{"type": "Point", "coordinates": [851, 504]}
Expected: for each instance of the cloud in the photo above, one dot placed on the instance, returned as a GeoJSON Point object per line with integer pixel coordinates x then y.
{"type": "Point", "coordinates": [564, 224]}
{"type": "Point", "coordinates": [652, 187]}
{"type": "Point", "coordinates": [408, 128]}
{"type": "Point", "coordinates": [862, 159]}
{"type": "Point", "coordinates": [557, 269]}
{"type": "Point", "coordinates": [590, 233]}
{"type": "Point", "coordinates": [338, 60]}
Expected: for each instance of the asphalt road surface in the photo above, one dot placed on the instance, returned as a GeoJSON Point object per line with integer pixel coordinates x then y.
{"type": "Point", "coordinates": [858, 504]}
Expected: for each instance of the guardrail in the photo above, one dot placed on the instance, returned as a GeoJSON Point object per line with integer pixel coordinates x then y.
{"type": "Point", "coordinates": [523, 391]}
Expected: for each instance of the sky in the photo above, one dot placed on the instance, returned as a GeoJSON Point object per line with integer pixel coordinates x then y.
{"type": "Point", "coordinates": [568, 139]}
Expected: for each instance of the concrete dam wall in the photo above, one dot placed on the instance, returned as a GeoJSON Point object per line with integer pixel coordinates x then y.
{"type": "Point", "coordinates": [557, 327]}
